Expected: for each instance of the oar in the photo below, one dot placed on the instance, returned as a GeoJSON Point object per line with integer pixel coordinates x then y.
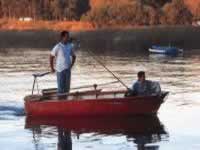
{"type": "Point", "coordinates": [93, 56]}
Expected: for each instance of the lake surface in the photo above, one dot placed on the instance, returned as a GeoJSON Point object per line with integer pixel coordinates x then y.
{"type": "Point", "coordinates": [176, 127]}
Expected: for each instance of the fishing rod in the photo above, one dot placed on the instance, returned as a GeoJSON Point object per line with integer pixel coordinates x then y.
{"type": "Point", "coordinates": [104, 66]}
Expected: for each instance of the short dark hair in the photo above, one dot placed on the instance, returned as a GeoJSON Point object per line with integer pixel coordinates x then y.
{"type": "Point", "coordinates": [64, 33]}
{"type": "Point", "coordinates": [140, 74]}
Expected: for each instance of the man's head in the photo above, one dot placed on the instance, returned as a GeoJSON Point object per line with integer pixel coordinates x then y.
{"type": "Point", "coordinates": [141, 76]}
{"type": "Point", "coordinates": [64, 36]}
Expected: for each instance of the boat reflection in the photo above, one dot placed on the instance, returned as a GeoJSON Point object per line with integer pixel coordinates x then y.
{"type": "Point", "coordinates": [64, 139]}
{"type": "Point", "coordinates": [142, 131]}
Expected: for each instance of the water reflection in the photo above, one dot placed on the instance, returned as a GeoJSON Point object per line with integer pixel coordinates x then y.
{"type": "Point", "coordinates": [64, 139]}
{"type": "Point", "coordinates": [142, 131]}
{"type": "Point", "coordinates": [179, 75]}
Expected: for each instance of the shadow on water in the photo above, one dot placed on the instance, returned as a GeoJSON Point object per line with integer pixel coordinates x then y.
{"type": "Point", "coordinates": [11, 110]}
{"type": "Point", "coordinates": [141, 130]}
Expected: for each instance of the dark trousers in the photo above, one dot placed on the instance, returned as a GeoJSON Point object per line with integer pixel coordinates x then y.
{"type": "Point", "coordinates": [63, 81]}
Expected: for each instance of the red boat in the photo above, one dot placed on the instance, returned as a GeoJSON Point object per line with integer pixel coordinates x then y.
{"type": "Point", "coordinates": [91, 103]}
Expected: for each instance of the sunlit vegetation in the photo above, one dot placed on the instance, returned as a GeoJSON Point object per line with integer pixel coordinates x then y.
{"type": "Point", "coordinates": [101, 13]}
{"type": "Point", "coordinates": [140, 12]}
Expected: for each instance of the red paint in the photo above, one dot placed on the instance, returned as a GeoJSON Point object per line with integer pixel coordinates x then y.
{"type": "Point", "coordinates": [95, 107]}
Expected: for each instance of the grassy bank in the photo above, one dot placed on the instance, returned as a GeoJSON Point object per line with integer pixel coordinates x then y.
{"type": "Point", "coordinates": [137, 39]}
{"type": "Point", "coordinates": [13, 24]}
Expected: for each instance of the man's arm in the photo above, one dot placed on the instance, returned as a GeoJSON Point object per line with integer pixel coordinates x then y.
{"type": "Point", "coordinates": [135, 86]}
{"type": "Point", "coordinates": [51, 61]}
{"type": "Point", "coordinates": [52, 56]}
{"type": "Point", "coordinates": [73, 55]}
{"type": "Point", "coordinates": [131, 91]}
{"type": "Point", "coordinates": [73, 60]}
{"type": "Point", "coordinates": [134, 89]}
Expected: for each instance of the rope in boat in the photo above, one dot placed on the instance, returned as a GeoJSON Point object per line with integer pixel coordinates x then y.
{"type": "Point", "coordinates": [99, 61]}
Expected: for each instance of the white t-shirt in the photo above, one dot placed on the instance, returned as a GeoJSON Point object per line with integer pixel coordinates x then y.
{"type": "Point", "coordinates": [63, 53]}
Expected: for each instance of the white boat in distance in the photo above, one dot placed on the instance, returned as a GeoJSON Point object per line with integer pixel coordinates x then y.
{"type": "Point", "coordinates": [168, 50]}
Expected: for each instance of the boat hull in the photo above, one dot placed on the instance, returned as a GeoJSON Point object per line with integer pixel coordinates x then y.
{"type": "Point", "coordinates": [165, 50]}
{"type": "Point", "coordinates": [97, 107]}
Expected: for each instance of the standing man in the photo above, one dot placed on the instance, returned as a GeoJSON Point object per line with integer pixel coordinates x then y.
{"type": "Point", "coordinates": [65, 58]}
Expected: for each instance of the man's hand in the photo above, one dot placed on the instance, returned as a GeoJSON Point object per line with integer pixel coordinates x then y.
{"type": "Point", "coordinates": [53, 70]}
{"type": "Point", "coordinates": [73, 61]}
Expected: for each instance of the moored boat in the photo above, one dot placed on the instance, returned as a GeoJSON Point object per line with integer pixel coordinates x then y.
{"type": "Point", "coordinates": [168, 50]}
{"type": "Point", "coordinates": [92, 103]}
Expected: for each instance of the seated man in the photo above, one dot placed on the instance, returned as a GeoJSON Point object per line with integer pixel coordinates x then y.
{"type": "Point", "coordinates": [144, 87]}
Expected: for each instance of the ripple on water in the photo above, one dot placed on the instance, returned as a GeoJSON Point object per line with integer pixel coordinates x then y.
{"type": "Point", "coordinates": [10, 111]}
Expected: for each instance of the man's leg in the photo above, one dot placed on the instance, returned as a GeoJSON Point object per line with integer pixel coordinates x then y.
{"type": "Point", "coordinates": [59, 89]}
{"type": "Point", "coordinates": [61, 81]}
{"type": "Point", "coordinates": [68, 80]}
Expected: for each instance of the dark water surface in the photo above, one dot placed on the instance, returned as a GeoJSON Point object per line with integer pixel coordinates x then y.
{"type": "Point", "coordinates": [176, 127]}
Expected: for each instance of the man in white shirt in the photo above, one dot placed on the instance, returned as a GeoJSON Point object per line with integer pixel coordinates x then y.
{"type": "Point", "coordinates": [65, 58]}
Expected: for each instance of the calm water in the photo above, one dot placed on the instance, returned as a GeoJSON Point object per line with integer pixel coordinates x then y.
{"type": "Point", "coordinates": [177, 125]}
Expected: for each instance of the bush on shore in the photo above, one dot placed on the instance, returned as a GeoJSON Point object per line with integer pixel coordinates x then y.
{"type": "Point", "coordinates": [176, 13]}
{"type": "Point", "coordinates": [197, 13]}
{"type": "Point", "coordinates": [138, 13]}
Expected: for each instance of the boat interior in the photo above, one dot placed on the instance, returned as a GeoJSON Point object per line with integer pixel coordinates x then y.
{"type": "Point", "coordinates": [51, 94]}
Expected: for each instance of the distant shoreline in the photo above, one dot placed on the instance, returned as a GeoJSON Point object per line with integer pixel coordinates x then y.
{"type": "Point", "coordinates": [136, 39]}
{"type": "Point", "coordinates": [75, 26]}
{"type": "Point", "coordinates": [17, 25]}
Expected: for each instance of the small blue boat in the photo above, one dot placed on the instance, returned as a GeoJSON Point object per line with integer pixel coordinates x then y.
{"type": "Point", "coordinates": [168, 50]}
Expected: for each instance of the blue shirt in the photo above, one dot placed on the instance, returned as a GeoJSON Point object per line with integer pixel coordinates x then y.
{"type": "Point", "coordinates": [142, 88]}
